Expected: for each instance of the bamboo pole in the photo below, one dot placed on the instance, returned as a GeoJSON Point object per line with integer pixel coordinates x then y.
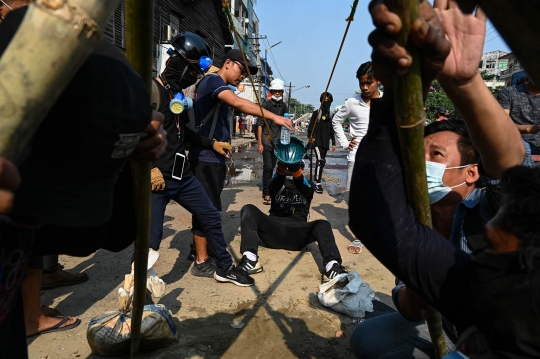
{"type": "Point", "coordinates": [349, 20]}
{"type": "Point", "coordinates": [52, 42]}
{"type": "Point", "coordinates": [227, 11]}
{"type": "Point", "coordinates": [139, 36]}
{"type": "Point", "coordinates": [410, 120]}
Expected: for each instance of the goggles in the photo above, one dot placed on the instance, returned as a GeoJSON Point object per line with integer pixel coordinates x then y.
{"type": "Point", "coordinates": [203, 64]}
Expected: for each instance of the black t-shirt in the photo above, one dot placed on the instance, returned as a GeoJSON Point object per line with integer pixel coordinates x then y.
{"type": "Point", "coordinates": [83, 143]}
{"type": "Point", "coordinates": [278, 108]}
{"type": "Point", "coordinates": [175, 137]}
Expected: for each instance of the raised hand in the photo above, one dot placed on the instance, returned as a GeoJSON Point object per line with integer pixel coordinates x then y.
{"type": "Point", "coordinates": [466, 33]}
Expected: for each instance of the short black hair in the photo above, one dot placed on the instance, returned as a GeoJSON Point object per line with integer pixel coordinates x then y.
{"type": "Point", "coordinates": [327, 94]}
{"type": "Point", "coordinates": [469, 154]}
{"type": "Point", "coordinates": [365, 69]}
{"type": "Point", "coordinates": [520, 187]}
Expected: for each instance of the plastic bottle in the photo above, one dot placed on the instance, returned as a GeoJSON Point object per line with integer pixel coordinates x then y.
{"type": "Point", "coordinates": [285, 138]}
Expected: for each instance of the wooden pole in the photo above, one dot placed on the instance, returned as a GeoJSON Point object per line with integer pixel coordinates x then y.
{"type": "Point", "coordinates": [139, 36]}
{"type": "Point", "coordinates": [349, 20]}
{"type": "Point", "coordinates": [226, 9]}
{"type": "Point", "coordinates": [50, 45]}
{"type": "Point", "coordinates": [410, 120]}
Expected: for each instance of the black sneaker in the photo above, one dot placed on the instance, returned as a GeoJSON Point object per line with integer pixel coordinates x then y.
{"type": "Point", "coordinates": [204, 269]}
{"type": "Point", "coordinates": [233, 275]}
{"type": "Point", "coordinates": [336, 270]}
{"type": "Point", "coordinates": [249, 267]}
{"type": "Point", "coordinates": [318, 188]}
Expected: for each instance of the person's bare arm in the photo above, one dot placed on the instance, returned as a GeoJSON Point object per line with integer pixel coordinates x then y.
{"type": "Point", "coordinates": [250, 108]}
{"type": "Point", "coordinates": [260, 147]}
{"type": "Point", "coordinates": [492, 131]}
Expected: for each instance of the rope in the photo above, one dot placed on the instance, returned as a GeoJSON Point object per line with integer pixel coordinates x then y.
{"type": "Point", "coordinates": [349, 20]}
{"type": "Point", "coordinates": [227, 11]}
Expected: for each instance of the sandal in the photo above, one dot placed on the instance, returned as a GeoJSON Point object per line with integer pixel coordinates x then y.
{"type": "Point", "coordinates": [355, 247]}
{"type": "Point", "coordinates": [267, 200]}
{"type": "Point", "coordinates": [58, 327]}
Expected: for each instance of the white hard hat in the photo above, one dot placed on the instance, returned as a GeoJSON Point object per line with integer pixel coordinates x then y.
{"type": "Point", "coordinates": [277, 84]}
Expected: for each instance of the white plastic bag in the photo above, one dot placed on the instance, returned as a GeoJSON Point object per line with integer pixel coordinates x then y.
{"type": "Point", "coordinates": [110, 333]}
{"type": "Point", "coordinates": [354, 299]}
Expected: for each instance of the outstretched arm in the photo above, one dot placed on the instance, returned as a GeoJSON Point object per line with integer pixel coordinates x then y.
{"type": "Point", "coordinates": [492, 131]}
{"type": "Point", "coordinates": [250, 108]}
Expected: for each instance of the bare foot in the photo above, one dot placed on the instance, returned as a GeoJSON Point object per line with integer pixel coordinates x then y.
{"type": "Point", "coordinates": [49, 312]}
{"type": "Point", "coordinates": [43, 323]}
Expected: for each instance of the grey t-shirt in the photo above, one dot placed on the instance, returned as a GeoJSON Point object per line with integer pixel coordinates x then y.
{"type": "Point", "coordinates": [524, 108]}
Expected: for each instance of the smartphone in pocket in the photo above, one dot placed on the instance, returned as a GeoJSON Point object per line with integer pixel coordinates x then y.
{"type": "Point", "coordinates": [178, 166]}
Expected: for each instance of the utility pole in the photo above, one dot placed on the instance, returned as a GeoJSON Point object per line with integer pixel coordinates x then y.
{"type": "Point", "coordinates": [290, 94]}
{"type": "Point", "coordinates": [265, 61]}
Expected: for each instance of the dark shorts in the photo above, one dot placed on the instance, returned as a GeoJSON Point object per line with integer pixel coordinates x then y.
{"type": "Point", "coordinates": [212, 178]}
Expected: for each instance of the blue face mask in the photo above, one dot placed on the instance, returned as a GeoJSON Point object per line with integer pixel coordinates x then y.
{"type": "Point", "coordinates": [436, 188]}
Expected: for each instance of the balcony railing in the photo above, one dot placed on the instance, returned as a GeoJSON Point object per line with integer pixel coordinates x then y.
{"type": "Point", "coordinates": [512, 70]}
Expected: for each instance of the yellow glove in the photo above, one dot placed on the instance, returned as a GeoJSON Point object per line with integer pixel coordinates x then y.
{"type": "Point", "coordinates": [156, 180]}
{"type": "Point", "coordinates": [220, 148]}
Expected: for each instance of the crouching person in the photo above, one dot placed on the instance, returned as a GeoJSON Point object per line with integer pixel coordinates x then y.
{"type": "Point", "coordinates": [287, 226]}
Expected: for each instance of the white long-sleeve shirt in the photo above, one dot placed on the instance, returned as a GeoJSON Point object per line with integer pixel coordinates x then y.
{"type": "Point", "coordinates": [358, 113]}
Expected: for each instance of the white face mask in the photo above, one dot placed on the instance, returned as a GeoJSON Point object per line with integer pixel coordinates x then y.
{"type": "Point", "coordinates": [436, 188]}
{"type": "Point", "coordinates": [277, 98]}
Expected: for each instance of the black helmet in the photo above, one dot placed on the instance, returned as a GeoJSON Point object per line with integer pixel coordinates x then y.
{"type": "Point", "coordinates": [191, 46]}
{"type": "Point", "coordinates": [327, 94]}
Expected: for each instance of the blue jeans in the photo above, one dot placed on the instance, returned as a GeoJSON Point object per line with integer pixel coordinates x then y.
{"type": "Point", "coordinates": [391, 336]}
{"type": "Point", "coordinates": [190, 194]}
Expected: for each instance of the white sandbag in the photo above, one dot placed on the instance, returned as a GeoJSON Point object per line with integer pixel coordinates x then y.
{"type": "Point", "coordinates": [109, 333]}
{"type": "Point", "coordinates": [354, 299]}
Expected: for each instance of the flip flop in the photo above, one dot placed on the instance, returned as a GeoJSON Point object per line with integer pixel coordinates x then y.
{"type": "Point", "coordinates": [355, 247]}
{"type": "Point", "coordinates": [267, 200]}
{"type": "Point", "coordinates": [58, 328]}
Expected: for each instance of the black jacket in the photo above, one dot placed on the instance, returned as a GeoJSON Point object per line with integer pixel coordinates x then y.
{"type": "Point", "coordinates": [324, 132]}
{"type": "Point", "coordinates": [278, 108]}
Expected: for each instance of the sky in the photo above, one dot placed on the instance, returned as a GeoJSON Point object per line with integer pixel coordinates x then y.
{"type": "Point", "coordinates": [311, 32]}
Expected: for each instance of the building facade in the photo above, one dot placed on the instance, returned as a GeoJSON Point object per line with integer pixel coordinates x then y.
{"type": "Point", "coordinates": [493, 63]}
{"type": "Point", "coordinates": [514, 71]}
{"type": "Point", "coordinates": [203, 17]}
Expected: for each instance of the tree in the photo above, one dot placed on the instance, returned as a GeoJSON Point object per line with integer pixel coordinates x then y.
{"type": "Point", "coordinates": [296, 106]}
{"type": "Point", "coordinates": [435, 99]}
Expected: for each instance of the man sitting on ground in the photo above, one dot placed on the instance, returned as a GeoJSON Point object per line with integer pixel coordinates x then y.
{"type": "Point", "coordinates": [287, 226]}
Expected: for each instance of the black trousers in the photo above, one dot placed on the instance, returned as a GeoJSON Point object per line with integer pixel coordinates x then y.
{"type": "Point", "coordinates": [269, 163]}
{"type": "Point", "coordinates": [284, 233]}
{"type": "Point", "coordinates": [212, 178]}
{"type": "Point", "coordinates": [320, 155]}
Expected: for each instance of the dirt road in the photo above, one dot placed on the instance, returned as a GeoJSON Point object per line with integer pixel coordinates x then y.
{"type": "Point", "coordinates": [281, 315]}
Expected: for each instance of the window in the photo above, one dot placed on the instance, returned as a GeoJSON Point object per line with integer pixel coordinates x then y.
{"type": "Point", "coordinates": [503, 65]}
{"type": "Point", "coordinates": [490, 64]}
{"type": "Point", "coordinates": [481, 64]}
{"type": "Point", "coordinates": [114, 29]}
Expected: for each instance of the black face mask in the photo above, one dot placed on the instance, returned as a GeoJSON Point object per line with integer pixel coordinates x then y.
{"type": "Point", "coordinates": [326, 105]}
{"type": "Point", "coordinates": [177, 74]}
